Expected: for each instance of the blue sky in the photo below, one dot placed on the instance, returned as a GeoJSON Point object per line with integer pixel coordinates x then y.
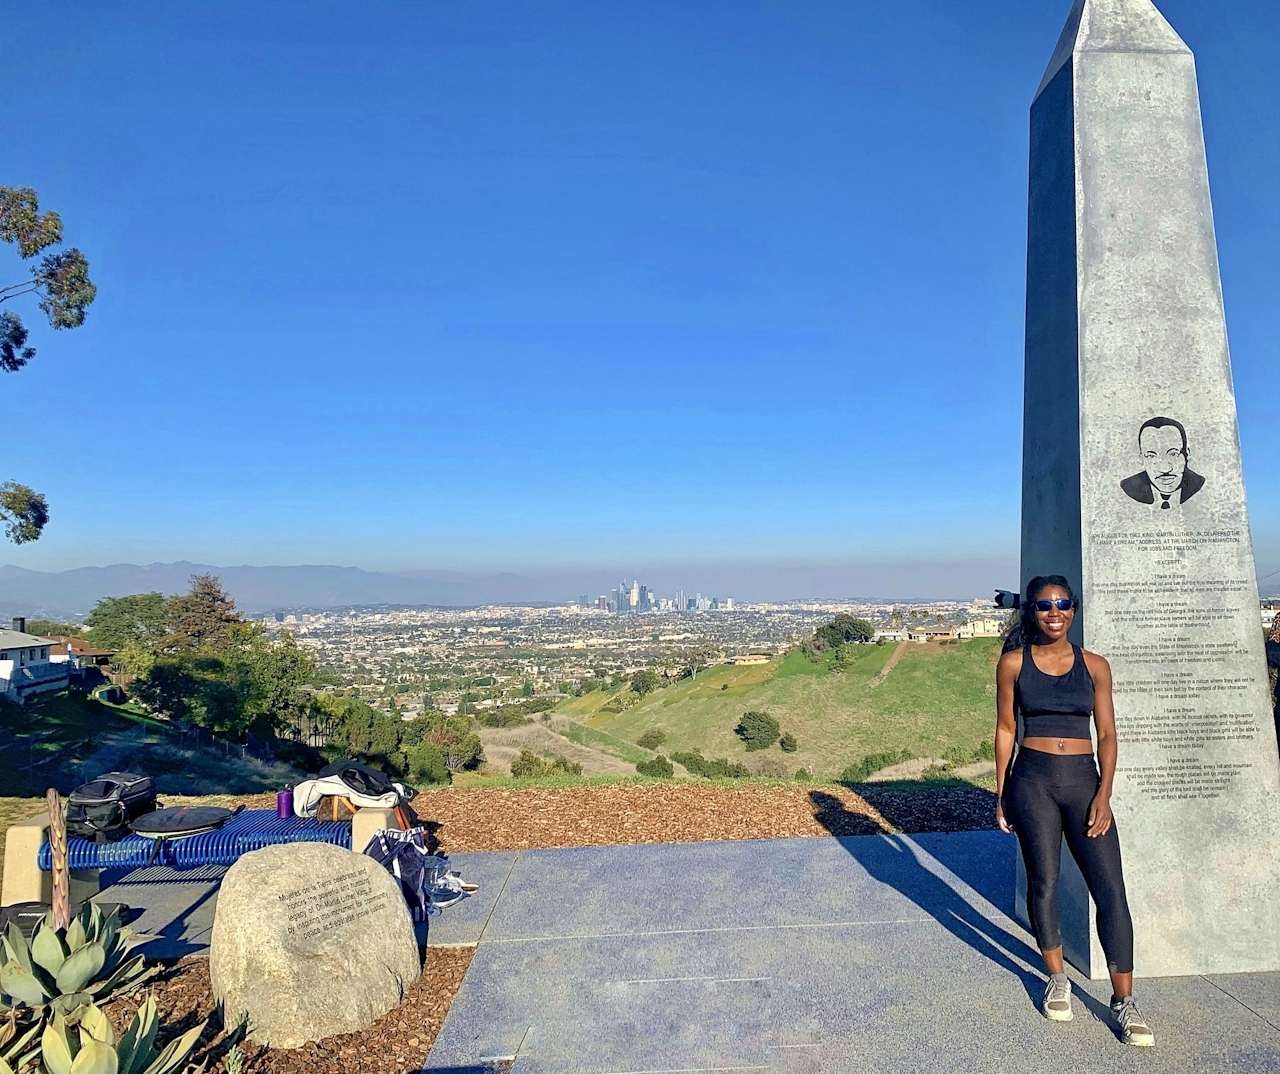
{"type": "Point", "coordinates": [528, 285]}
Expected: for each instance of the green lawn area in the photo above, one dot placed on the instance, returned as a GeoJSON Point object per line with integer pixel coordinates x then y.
{"type": "Point", "coordinates": [938, 696]}
{"type": "Point", "coordinates": [41, 743]}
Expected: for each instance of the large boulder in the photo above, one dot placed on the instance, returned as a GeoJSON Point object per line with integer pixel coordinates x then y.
{"type": "Point", "coordinates": [310, 940]}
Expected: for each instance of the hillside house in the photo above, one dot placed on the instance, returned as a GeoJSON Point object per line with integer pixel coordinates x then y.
{"type": "Point", "coordinates": [895, 634]}
{"type": "Point", "coordinates": [980, 628]}
{"type": "Point", "coordinates": [79, 652]}
{"type": "Point", "coordinates": [931, 633]}
{"type": "Point", "coordinates": [26, 667]}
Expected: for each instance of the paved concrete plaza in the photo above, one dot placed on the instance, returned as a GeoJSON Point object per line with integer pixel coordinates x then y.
{"type": "Point", "coordinates": [868, 954]}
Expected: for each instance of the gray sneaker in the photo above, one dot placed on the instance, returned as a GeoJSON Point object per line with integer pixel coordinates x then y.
{"type": "Point", "coordinates": [1133, 1027]}
{"type": "Point", "coordinates": [1057, 999]}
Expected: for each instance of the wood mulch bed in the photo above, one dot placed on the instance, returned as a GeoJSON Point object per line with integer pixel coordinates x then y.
{"type": "Point", "coordinates": [397, 1043]}
{"type": "Point", "coordinates": [522, 818]}
{"type": "Point", "coordinates": [472, 819]}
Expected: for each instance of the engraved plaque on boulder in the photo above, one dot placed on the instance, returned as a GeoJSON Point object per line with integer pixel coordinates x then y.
{"type": "Point", "coordinates": [1132, 485]}
{"type": "Point", "coordinates": [310, 940]}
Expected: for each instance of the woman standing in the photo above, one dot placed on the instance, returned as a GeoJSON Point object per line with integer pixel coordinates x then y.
{"type": "Point", "coordinates": [1273, 659]}
{"type": "Point", "coordinates": [1054, 788]}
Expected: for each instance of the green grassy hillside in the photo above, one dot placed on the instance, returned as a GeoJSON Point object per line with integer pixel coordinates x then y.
{"type": "Point", "coordinates": [934, 698]}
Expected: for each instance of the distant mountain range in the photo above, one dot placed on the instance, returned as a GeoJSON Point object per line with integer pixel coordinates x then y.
{"type": "Point", "coordinates": [71, 593]}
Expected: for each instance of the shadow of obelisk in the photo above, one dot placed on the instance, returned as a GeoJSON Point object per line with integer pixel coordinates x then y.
{"type": "Point", "coordinates": [1132, 484]}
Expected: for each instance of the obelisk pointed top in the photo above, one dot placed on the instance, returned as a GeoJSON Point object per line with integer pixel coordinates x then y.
{"type": "Point", "coordinates": [1112, 26]}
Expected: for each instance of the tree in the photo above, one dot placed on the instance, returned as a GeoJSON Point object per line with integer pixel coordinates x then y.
{"type": "Point", "coordinates": [694, 660]}
{"type": "Point", "coordinates": [48, 628]}
{"type": "Point", "coordinates": [117, 623]}
{"type": "Point", "coordinates": [425, 763]}
{"type": "Point", "coordinates": [203, 617]}
{"type": "Point", "coordinates": [61, 281]}
{"type": "Point", "coordinates": [271, 672]}
{"type": "Point", "coordinates": [23, 511]}
{"type": "Point", "coordinates": [758, 730]}
{"type": "Point", "coordinates": [644, 681]}
{"type": "Point", "coordinates": [453, 736]}
{"type": "Point", "coordinates": [527, 689]}
{"type": "Point", "coordinates": [844, 629]}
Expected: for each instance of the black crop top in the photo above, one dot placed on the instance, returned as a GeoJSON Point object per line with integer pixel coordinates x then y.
{"type": "Point", "coordinates": [1055, 706]}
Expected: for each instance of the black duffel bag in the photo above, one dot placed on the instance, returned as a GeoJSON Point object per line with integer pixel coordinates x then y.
{"type": "Point", "coordinates": [103, 809]}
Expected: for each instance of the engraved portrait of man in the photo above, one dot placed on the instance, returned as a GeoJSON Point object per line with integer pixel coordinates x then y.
{"type": "Point", "coordinates": [1165, 479]}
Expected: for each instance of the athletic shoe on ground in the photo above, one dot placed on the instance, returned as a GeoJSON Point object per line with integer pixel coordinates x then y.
{"type": "Point", "coordinates": [1133, 1027]}
{"type": "Point", "coordinates": [1057, 999]}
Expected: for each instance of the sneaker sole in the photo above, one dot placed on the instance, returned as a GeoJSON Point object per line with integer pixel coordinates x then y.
{"type": "Point", "coordinates": [1138, 1042]}
{"type": "Point", "coordinates": [1058, 1016]}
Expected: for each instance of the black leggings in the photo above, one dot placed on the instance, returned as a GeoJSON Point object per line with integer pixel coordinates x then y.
{"type": "Point", "coordinates": [1046, 797]}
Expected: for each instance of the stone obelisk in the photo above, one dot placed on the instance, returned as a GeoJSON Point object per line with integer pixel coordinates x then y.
{"type": "Point", "coordinates": [1132, 484]}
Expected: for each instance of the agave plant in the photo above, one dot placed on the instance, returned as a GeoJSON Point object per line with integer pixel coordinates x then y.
{"type": "Point", "coordinates": [95, 1049]}
{"type": "Point", "coordinates": [61, 970]}
{"type": "Point", "coordinates": [18, 1045]}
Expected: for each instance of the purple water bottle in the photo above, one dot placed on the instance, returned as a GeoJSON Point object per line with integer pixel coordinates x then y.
{"type": "Point", "coordinates": [284, 803]}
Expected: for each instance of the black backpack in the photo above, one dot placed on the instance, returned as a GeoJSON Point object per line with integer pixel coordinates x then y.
{"type": "Point", "coordinates": [103, 809]}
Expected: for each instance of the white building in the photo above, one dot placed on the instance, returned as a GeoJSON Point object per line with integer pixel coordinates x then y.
{"type": "Point", "coordinates": [26, 668]}
{"type": "Point", "coordinates": [890, 635]}
{"type": "Point", "coordinates": [980, 628]}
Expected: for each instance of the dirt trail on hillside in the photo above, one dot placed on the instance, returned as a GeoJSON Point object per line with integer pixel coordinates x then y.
{"type": "Point", "coordinates": [502, 745]}
{"type": "Point", "coordinates": [889, 664]}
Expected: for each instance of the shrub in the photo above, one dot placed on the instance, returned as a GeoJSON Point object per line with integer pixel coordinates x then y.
{"type": "Point", "coordinates": [652, 738]}
{"type": "Point", "coordinates": [958, 755]}
{"type": "Point", "coordinates": [502, 717]}
{"type": "Point", "coordinates": [426, 764]}
{"type": "Point", "coordinates": [710, 769]}
{"type": "Point", "coordinates": [657, 767]}
{"type": "Point", "coordinates": [803, 775]}
{"type": "Point", "coordinates": [758, 730]}
{"type": "Point", "coordinates": [771, 766]}
{"type": "Point", "coordinates": [934, 771]}
{"type": "Point", "coordinates": [787, 743]}
{"type": "Point", "coordinates": [871, 763]}
{"type": "Point", "coordinates": [530, 766]}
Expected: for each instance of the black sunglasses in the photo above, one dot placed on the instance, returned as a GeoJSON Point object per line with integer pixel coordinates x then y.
{"type": "Point", "coordinates": [1063, 605]}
